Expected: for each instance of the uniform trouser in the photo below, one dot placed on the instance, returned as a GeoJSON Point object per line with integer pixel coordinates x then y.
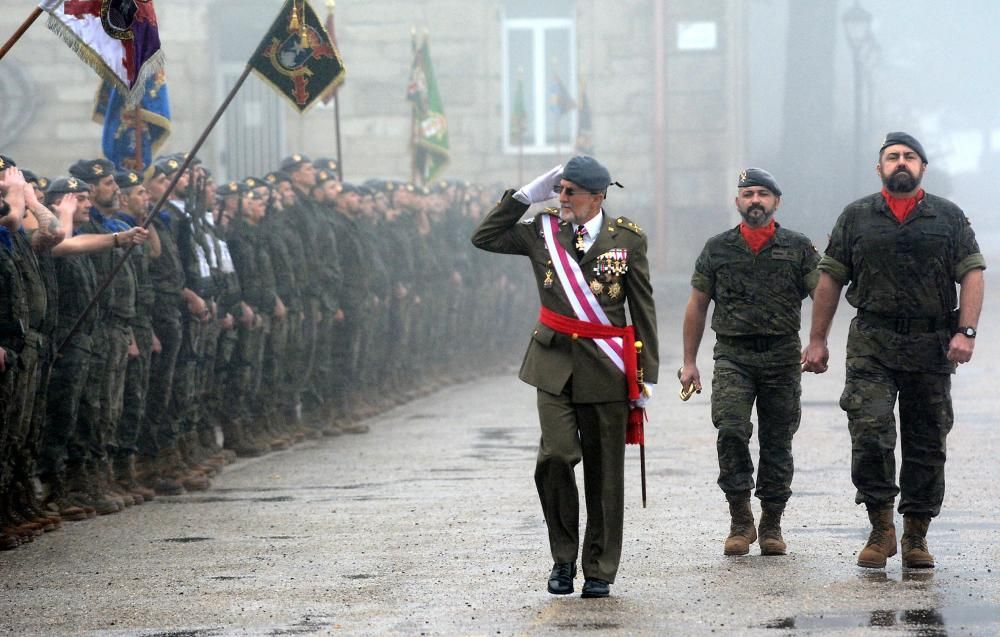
{"type": "Point", "coordinates": [24, 382]}
{"type": "Point", "coordinates": [119, 336]}
{"type": "Point", "coordinates": [160, 433]}
{"type": "Point", "coordinates": [777, 391]}
{"type": "Point", "coordinates": [925, 418]}
{"type": "Point", "coordinates": [134, 392]}
{"type": "Point", "coordinates": [594, 433]}
{"type": "Point", "coordinates": [276, 397]}
{"type": "Point", "coordinates": [346, 349]}
{"type": "Point", "coordinates": [89, 433]}
{"type": "Point", "coordinates": [69, 378]}
{"type": "Point", "coordinates": [183, 400]}
{"type": "Point", "coordinates": [206, 370]}
{"type": "Point", "coordinates": [225, 349]}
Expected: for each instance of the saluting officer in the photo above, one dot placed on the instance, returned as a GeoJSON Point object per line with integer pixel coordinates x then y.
{"type": "Point", "coordinates": [583, 394]}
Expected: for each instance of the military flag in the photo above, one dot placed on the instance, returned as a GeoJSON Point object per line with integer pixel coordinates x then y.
{"type": "Point", "coordinates": [584, 129]}
{"type": "Point", "coordinates": [297, 56]}
{"type": "Point", "coordinates": [133, 134]}
{"type": "Point", "coordinates": [429, 141]}
{"type": "Point", "coordinates": [117, 38]}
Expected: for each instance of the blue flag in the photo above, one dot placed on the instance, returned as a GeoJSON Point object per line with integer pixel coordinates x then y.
{"type": "Point", "coordinates": [144, 127]}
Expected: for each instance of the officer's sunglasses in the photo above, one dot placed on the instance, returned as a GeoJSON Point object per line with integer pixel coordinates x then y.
{"type": "Point", "coordinates": [572, 191]}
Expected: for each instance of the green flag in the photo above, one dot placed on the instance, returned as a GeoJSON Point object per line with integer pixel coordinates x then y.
{"type": "Point", "coordinates": [297, 57]}
{"type": "Point", "coordinates": [430, 126]}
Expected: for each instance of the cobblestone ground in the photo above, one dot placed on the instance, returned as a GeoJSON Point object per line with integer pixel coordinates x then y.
{"type": "Point", "coordinates": [429, 525]}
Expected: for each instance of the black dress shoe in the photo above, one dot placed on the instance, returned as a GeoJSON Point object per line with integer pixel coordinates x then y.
{"type": "Point", "coordinates": [595, 588]}
{"type": "Point", "coordinates": [561, 578]}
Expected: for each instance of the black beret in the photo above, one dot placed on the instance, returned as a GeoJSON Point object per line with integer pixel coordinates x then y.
{"type": "Point", "coordinates": [588, 173]}
{"type": "Point", "coordinates": [233, 188]}
{"type": "Point", "coordinates": [30, 177]}
{"type": "Point", "coordinates": [323, 176]}
{"type": "Point", "coordinates": [346, 187]}
{"type": "Point", "coordinates": [758, 177]}
{"type": "Point", "coordinates": [92, 170]}
{"type": "Point", "coordinates": [67, 185]}
{"type": "Point", "coordinates": [325, 163]}
{"type": "Point", "coordinates": [254, 182]}
{"type": "Point", "coordinates": [166, 166]}
{"type": "Point", "coordinates": [128, 179]}
{"type": "Point", "coordinates": [292, 162]}
{"type": "Point", "coordinates": [905, 139]}
{"type": "Point", "coordinates": [276, 177]}
{"type": "Point", "coordinates": [6, 162]}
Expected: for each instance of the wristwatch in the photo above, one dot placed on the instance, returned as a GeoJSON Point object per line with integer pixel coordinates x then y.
{"type": "Point", "coordinates": [966, 331]}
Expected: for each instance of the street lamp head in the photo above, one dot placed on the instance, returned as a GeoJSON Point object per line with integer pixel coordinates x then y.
{"type": "Point", "coordinates": [857, 26]}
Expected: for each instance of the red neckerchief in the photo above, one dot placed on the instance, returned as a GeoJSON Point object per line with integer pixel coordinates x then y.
{"type": "Point", "coordinates": [901, 207]}
{"type": "Point", "coordinates": [757, 237]}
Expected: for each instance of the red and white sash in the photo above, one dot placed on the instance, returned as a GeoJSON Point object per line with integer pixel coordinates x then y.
{"type": "Point", "coordinates": [585, 305]}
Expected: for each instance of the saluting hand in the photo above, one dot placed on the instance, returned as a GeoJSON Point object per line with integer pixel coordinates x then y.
{"type": "Point", "coordinates": [541, 188]}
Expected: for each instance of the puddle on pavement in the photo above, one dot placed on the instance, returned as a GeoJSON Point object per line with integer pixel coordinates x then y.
{"type": "Point", "coordinates": [186, 540]}
{"type": "Point", "coordinates": [228, 578]}
{"type": "Point", "coordinates": [422, 416]}
{"type": "Point", "coordinates": [305, 626]}
{"type": "Point", "coordinates": [589, 626]}
{"type": "Point", "coordinates": [496, 433]}
{"type": "Point", "coordinates": [207, 499]}
{"type": "Point", "coordinates": [197, 632]}
{"type": "Point", "coordinates": [928, 622]}
{"type": "Point", "coordinates": [360, 576]}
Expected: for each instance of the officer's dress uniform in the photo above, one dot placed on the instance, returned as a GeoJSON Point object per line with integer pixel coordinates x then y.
{"type": "Point", "coordinates": [582, 397]}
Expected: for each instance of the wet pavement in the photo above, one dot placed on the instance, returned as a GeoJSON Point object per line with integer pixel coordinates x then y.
{"type": "Point", "coordinates": [429, 525]}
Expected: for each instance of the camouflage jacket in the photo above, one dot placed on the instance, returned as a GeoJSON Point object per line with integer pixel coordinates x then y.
{"type": "Point", "coordinates": [905, 270]}
{"type": "Point", "coordinates": [758, 294]}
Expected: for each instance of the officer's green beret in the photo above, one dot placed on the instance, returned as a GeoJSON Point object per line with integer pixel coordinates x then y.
{"type": "Point", "coordinates": [758, 177]}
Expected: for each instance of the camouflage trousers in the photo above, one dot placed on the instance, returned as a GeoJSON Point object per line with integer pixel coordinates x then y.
{"type": "Point", "coordinates": [134, 392]}
{"type": "Point", "coordinates": [777, 391]}
{"type": "Point", "coordinates": [925, 418]}
{"type": "Point", "coordinates": [160, 431]}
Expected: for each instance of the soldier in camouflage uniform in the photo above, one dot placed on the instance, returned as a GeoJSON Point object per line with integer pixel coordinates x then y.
{"type": "Point", "coordinates": [757, 274]}
{"type": "Point", "coordinates": [901, 251]}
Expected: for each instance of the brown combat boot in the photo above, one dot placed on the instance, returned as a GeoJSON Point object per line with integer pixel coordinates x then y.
{"type": "Point", "coordinates": [741, 530]}
{"type": "Point", "coordinates": [127, 478]}
{"type": "Point", "coordinates": [882, 540]}
{"type": "Point", "coordinates": [771, 542]}
{"type": "Point", "coordinates": [914, 542]}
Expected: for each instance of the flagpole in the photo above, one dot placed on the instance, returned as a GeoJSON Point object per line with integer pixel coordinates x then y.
{"type": "Point", "coordinates": [20, 31]}
{"type": "Point", "coordinates": [138, 142]}
{"type": "Point", "coordinates": [159, 205]}
{"type": "Point", "coordinates": [336, 121]}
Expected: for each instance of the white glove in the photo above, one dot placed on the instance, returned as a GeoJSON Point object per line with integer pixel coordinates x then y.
{"type": "Point", "coordinates": [541, 188]}
{"type": "Point", "coordinates": [644, 397]}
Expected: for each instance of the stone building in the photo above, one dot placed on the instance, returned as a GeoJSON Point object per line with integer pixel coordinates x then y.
{"type": "Point", "coordinates": [663, 81]}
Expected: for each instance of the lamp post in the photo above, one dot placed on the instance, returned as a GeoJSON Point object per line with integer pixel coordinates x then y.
{"type": "Point", "coordinates": [858, 30]}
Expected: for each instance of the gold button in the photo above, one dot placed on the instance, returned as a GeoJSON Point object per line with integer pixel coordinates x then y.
{"type": "Point", "coordinates": [536, 332]}
{"type": "Point", "coordinates": [575, 336]}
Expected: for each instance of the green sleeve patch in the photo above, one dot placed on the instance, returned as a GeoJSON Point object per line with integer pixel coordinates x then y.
{"type": "Point", "coordinates": [969, 263]}
{"type": "Point", "coordinates": [840, 273]}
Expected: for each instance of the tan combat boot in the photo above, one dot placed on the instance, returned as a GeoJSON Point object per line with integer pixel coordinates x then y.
{"type": "Point", "coordinates": [882, 540]}
{"type": "Point", "coordinates": [914, 542]}
{"type": "Point", "coordinates": [741, 530]}
{"type": "Point", "coordinates": [771, 542]}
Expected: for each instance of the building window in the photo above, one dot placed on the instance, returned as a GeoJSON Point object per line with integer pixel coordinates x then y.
{"type": "Point", "coordinates": [539, 77]}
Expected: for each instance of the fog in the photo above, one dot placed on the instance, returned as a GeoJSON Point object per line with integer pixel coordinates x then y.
{"type": "Point", "coordinates": [928, 68]}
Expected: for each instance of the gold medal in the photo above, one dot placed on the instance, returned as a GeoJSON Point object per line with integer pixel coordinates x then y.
{"type": "Point", "coordinates": [614, 291]}
{"type": "Point", "coordinates": [596, 287]}
{"type": "Point", "coordinates": [547, 283]}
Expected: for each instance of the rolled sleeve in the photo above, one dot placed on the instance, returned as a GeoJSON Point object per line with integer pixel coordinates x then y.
{"type": "Point", "coordinates": [840, 272]}
{"type": "Point", "coordinates": [969, 263]}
